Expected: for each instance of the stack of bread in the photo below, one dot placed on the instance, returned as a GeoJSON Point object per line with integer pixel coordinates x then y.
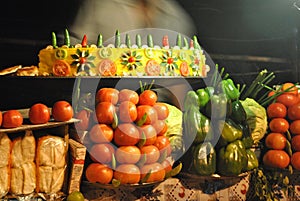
{"type": "Point", "coordinates": [5, 148]}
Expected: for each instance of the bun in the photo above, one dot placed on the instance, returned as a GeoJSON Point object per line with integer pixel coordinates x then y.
{"type": "Point", "coordinates": [5, 149]}
{"type": "Point", "coordinates": [28, 71]}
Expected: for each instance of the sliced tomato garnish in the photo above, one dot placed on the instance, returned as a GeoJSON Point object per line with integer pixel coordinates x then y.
{"type": "Point", "coordinates": [107, 67]}
{"type": "Point", "coordinates": [152, 68]}
{"type": "Point", "coordinates": [61, 68]}
{"type": "Point", "coordinates": [184, 69]}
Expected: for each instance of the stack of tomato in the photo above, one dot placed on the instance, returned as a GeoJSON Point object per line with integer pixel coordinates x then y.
{"type": "Point", "coordinates": [127, 136]}
{"type": "Point", "coordinates": [283, 139]}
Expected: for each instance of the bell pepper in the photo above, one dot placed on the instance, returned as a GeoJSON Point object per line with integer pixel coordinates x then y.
{"type": "Point", "coordinates": [238, 113]}
{"type": "Point", "coordinates": [252, 160]}
{"type": "Point", "coordinates": [203, 96]}
{"type": "Point", "coordinates": [229, 132]}
{"type": "Point", "coordinates": [191, 98]}
{"type": "Point", "coordinates": [230, 89]}
{"type": "Point", "coordinates": [247, 137]}
{"type": "Point", "coordinates": [204, 159]}
{"type": "Point", "coordinates": [232, 159]}
{"type": "Point", "coordinates": [196, 125]}
{"type": "Point", "coordinates": [218, 107]}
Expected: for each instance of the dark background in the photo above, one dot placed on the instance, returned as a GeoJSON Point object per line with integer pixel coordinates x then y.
{"type": "Point", "coordinates": [244, 36]}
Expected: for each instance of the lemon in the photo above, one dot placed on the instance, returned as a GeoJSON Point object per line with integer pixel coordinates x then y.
{"type": "Point", "coordinates": [75, 196]}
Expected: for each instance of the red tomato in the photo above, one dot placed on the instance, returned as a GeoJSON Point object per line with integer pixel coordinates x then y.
{"type": "Point", "coordinates": [147, 97]}
{"type": "Point", "coordinates": [287, 99]}
{"type": "Point", "coordinates": [294, 112]}
{"type": "Point", "coordinates": [149, 111]}
{"type": "Point", "coordinates": [279, 125]}
{"type": "Point", "coordinates": [101, 133]}
{"type": "Point", "coordinates": [296, 143]}
{"type": "Point", "coordinates": [275, 141]}
{"type": "Point", "coordinates": [62, 111]}
{"type": "Point", "coordinates": [84, 117]}
{"type": "Point", "coordinates": [102, 152]}
{"type": "Point", "coordinates": [107, 95]}
{"type": "Point", "coordinates": [295, 127]}
{"type": "Point", "coordinates": [61, 68]}
{"type": "Point", "coordinates": [162, 110]}
{"type": "Point", "coordinates": [105, 112]}
{"type": "Point", "coordinates": [127, 112]}
{"type": "Point", "coordinates": [39, 114]}
{"type": "Point", "coordinates": [0, 118]}
{"type": "Point", "coordinates": [126, 134]}
{"type": "Point", "coordinates": [128, 154]}
{"type": "Point", "coordinates": [276, 110]}
{"type": "Point", "coordinates": [276, 159]}
{"type": "Point", "coordinates": [295, 160]}
{"type": "Point", "coordinates": [149, 133]}
{"type": "Point", "coordinates": [107, 68]}
{"type": "Point", "coordinates": [184, 69]}
{"type": "Point", "coordinates": [152, 68]}
{"type": "Point", "coordinates": [128, 95]}
{"type": "Point", "coordinates": [289, 87]}
{"type": "Point", "coordinates": [12, 119]}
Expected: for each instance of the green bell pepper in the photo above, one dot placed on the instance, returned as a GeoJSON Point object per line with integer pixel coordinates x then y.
{"type": "Point", "coordinates": [229, 132]}
{"type": "Point", "coordinates": [238, 113]}
{"type": "Point", "coordinates": [191, 98]}
{"type": "Point", "coordinates": [218, 107]}
{"type": "Point", "coordinates": [247, 137]}
{"type": "Point", "coordinates": [230, 89]}
{"type": "Point", "coordinates": [203, 96]}
{"type": "Point", "coordinates": [204, 159]}
{"type": "Point", "coordinates": [232, 159]}
{"type": "Point", "coordinates": [252, 160]}
{"type": "Point", "coordinates": [196, 125]}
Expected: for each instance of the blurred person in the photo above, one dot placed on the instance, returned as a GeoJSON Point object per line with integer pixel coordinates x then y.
{"type": "Point", "coordinates": [104, 17]}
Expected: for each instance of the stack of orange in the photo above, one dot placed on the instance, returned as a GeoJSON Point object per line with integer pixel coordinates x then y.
{"type": "Point", "coordinates": [128, 141]}
{"type": "Point", "coordinates": [283, 140]}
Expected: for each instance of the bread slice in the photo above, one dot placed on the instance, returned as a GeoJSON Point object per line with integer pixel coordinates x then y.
{"type": "Point", "coordinates": [16, 182]}
{"type": "Point", "coordinates": [29, 182]}
{"type": "Point", "coordinates": [16, 153]}
{"type": "Point", "coordinates": [28, 147]}
{"type": "Point", "coordinates": [4, 180]}
{"type": "Point", "coordinates": [5, 149]}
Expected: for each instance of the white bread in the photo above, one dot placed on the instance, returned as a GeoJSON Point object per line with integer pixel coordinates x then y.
{"type": "Point", "coordinates": [16, 153]}
{"type": "Point", "coordinates": [58, 176]}
{"type": "Point", "coordinates": [5, 149]}
{"type": "Point", "coordinates": [29, 182]}
{"type": "Point", "coordinates": [50, 180]}
{"type": "Point", "coordinates": [4, 180]}
{"type": "Point", "coordinates": [16, 183]}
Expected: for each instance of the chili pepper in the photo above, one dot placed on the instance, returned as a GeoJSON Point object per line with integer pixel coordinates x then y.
{"type": "Point", "coordinates": [252, 160]}
{"type": "Point", "coordinates": [197, 126]}
{"type": "Point", "coordinates": [99, 41]}
{"type": "Point", "coordinates": [204, 159]}
{"type": "Point", "coordinates": [54, 41]}
{"type": "Point", "coordinates": [150, 40]}
{"type": "Point", "coordinates": [138, 40]}
{"type": "Point", "coordinates": [238, 113]}
{"type": "Point", "coordinates": [127, 40]}
{"type": "Point", "coordinates": [230, 89]}
{"type": "Point", "coordinates": [117, 39]}
{"type": "Point", "coordinates": [232, 159]}
{"type": "Point", "coordinates": [67, 38]}
{"type": "Point", "coordinates": [203, 96]}
{"type": "Point", "coordinates": [218, 107]}
{"type": "Point", "coordinates": [84, 41]}
{"type": "Point", "coordinates": [191, 98]}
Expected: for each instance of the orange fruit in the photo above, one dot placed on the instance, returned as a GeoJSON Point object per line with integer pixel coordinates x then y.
{"type": "Point", "coordinates": [157, 172]}
{"type": "Point", "coordinates": [152, 153]}
{"type": "Point", "coordinates": [101, 133]}
{"type": "Point", "coordinates": [127, 174]}
{"type": "Point", "coordinates": [128, 154]}
{"type": "Point", "coordinates": [97, 172]}
{"type": "Point", "coordinates": [102, 152]}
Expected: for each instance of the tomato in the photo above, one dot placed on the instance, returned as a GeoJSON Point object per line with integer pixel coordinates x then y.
{"type": "Point", "coordinates": [127, 174]}
{"type": "Point", "coordinates": [289, 87]}
{"type": "Point", "coordinates": [128, 154]}
{"type": "Point", "coordinates": [271, 93]}
{"type": "Point", "coordinates": [295, 160]}
{"type": "Point", "coordinates": [107, 68]}
{"type": "Point", "coordinates": [275, 141]}
{"type": "Point", "coordinates": [107, 95]}
{"type": "Point", "coordinates": [184, 69]}
{"type": "Point", "coordinates": [149, 133]}
{"type": "Point", "coordinates": [279, 125]}
{"type": "Point", "coordinates": [295, 127]}
{"type": "Point", "coordinates": [276, 110]}
{"type": "Point", "coordinates": [127, 112]}
{"type": "Point", "coordinates": [163, 144]}
{"type": "Point", "coordinates": [152, 68]}
{"type": "Point", "coordinates": [39, 114]}
{"type": "Point", "coordinates": [84, 117]}
{"type": "Point", "coordinates": [96, 172]}
{"type": "Point", "coordinates": [152, 153]}
{"type": "Point", "coordinates": [126, 134]}
{"type": "Point", "coordinates": [296, 143]}
{"type": "Point", "coordinates": [276, 159]}
{"type": "Point", "coordinates": [102, 152]}
{"type": "Point", "coordinates": [61, 68]}
{"type": "Point", "coordinates": [105, 112]}
{"type": "Point", "coordinates": [149, 111]}
{"type": "Point", "coordinates": [101, 133]}
{"type": "Point", "coordinates": [12, 119]}
{"type": "Point", "coordinates": [162, 110]}
{"type": "Point", "coordinates": [128, 95]}
{"type": "Point", "coordinates": [147, 97]}
{"type": "Point", "coordinates": [294, 112]}
{"type": "Point", "coordinates": [62, 111]}
{"type": "Point", "coordinates": [1, 117]}
{"type": "Point", "coordinates": [157, 172]}
{"type": "Point", "coordinates": [287, 99]}
{"type": "Point", "coordinates": [160, 126]}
